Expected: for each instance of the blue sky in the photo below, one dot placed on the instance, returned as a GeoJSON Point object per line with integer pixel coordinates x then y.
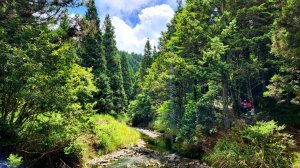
{"type": "Point", "coordinates": [135, 20]}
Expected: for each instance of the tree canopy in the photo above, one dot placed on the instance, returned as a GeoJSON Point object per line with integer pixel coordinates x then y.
{"type": "Point", "coordinates": [221, 80]}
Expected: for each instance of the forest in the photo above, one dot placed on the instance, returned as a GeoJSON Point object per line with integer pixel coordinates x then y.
{"type": "Point", "coordinates": [221, 89]}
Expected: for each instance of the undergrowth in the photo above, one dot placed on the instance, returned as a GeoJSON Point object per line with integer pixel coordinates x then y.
{"type": "Point", "coordinates": [105, 135]}
{"type": "Point", "coordinates": [262, 145]}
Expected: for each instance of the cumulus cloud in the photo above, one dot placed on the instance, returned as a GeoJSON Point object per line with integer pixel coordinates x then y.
{"type": "Point", "coordinates": [153, 20]}
{"type": "Point", "coordinates": [128, 10]}
{"type": "Point", "coordinates": [121, 8]}
{"type": "Point", "coordinates": [121, 5]}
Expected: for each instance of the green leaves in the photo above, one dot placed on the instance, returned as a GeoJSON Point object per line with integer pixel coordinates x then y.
{"type": "Point", "coordinates": [285, 36]}
{"type": "Point", "coordinates": [14, 160]}
{"type": "Point", "coordinates": [260, 145]}
{"type": "Point", "coordinates": [215, 52]}
{"type": "Point", "coordinates": [119, 98]}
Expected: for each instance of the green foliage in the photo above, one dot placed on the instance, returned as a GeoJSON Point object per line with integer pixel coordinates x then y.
{"type": "Point", "coordinates": [284, 86]}
{"type": "Point", "coordinates": [140, 110]}
{"type": "Point", "coordinates": [261, 145]}
{"type": "Point", "coordinates": [82, 148]}
{"type": "Point", "coordinates": [112, 134]}
{"type": "Point", "coordinates": [214, 54]}
{"type": "Point", "coordinates": [146, 61]}
{"type": "Point", "coordinates": [297, 160]}
{"type": "Point", "coordinates": [119, 98]}
{"type": "Point", "coordinates": [134, 60]}
{"type": "Point", "coordinates": [105, 134]}
{"type": "Point", "coordinates": [14, 160]}
{"type": "Point", "coordinates": [166, 120]}
{"type": "Point", "coordinates": [198, 123]}
{"type": "Point", "coordinates": [75, 149]}
{"type": "Point", "coordinates": [92, 55]}
{"type": "Point", "coordinates": [127, 77]}
{"type": "Point", "coordinates": [130, 80]}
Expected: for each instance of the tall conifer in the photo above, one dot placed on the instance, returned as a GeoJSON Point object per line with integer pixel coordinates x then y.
{"type": "Point", "coordinates": [127, 79]}
{"type": "Point", "coordinates": [92, 54]}
{"type": "Point", "coordinates": [114, 67]}
{"type": "Point", "coordinates": [146, 61]}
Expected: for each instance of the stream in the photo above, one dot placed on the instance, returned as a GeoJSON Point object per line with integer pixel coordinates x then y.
{"type": "Point", "coordinates": [148, 153]}
{"type": "Point", "coordinates": [3, 164]}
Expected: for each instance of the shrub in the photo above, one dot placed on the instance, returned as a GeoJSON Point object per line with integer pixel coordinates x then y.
{"type": "Point", "coordinates": [141, 111]}
{"type": "Point", "coordinates": [198, 124]}
{"type": "Point", "coordinates": [14, 160]}
{"type": "Point", "coordinates": [261, 145]}
{"type": "Point", "coordinates": [82, 149]}
{"type": "Point", "coordinates": [75, 149]}
{"type": "Point", "coordinates": [165, 119]}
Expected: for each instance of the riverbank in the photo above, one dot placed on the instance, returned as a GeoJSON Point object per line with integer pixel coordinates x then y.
{"type": "Point", "coordinates": [140, 155]}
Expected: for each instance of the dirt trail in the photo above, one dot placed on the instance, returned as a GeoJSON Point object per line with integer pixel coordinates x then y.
{"type": "Point", "coordinates": [141, 156]}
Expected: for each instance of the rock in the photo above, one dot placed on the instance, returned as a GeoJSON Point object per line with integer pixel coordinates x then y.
{"type": "Point", "coordinates": [103, 161]}
{"type": "Point", "coordinates": [191, 163]}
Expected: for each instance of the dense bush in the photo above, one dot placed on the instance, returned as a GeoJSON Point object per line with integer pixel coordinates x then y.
{"type": "Point", "coordinates": [261, 145]}
{"type": "Point", "coordinates": [191, 136]}
{"type": "Point", "coordinates": [47, 137]}
{"type": "Point", "coordinates": [199, 122]}
{"type": "Point", "coordinates": [140, 110]}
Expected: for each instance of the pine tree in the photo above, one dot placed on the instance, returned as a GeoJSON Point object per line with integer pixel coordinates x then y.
{"type": "Point", "coordinates": [146, 61]}
{"type": "Point", "coordinates": [127, 79]}
{"type": "Point", "coordinates": [154, 53]}
{"type": "Point", "coordinates": [114, 67]}
{"type": "Point", "coordinates": [92, 54]}
{"type": "Point", "coordinates": [285, 85]}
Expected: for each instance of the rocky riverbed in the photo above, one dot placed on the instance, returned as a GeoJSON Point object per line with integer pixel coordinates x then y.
{"type": "Point", "coordinates": [140, 156]}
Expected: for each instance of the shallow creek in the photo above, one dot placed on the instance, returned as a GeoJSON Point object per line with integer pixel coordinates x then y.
{"type": "Point", "coordinates": [150, 152]}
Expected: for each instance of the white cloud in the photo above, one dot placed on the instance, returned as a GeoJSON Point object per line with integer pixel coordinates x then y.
{"type": "Point", "coordinates": [120, 7]}
{"type": "Point", "coordinates": [153, 20]}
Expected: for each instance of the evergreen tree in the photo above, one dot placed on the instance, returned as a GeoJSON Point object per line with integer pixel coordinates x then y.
{"type": "Point", "coordinates": [146, 61]}
{"type": "Point", "coordinates": [154, 53]}
{"type": "Point", "coordinates": [284, 86]}
{"type": "Point", "coordinates": [127, 77]}
{"type": "Point", "coordinates": [219, 51]}
{"type": "Point", "coordinates": [92, 54]}
{"type": "Point", "coordinates": [42, 87]}
{"type": "Point", "coordinates": [114, 67]}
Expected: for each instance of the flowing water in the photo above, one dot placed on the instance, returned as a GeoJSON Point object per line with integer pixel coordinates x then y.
{"type": "Point", "coordinates": [3, 164]}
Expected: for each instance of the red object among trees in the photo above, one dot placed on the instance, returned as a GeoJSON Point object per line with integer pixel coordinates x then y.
{"type": "Point", "coordinates": [249, 104]}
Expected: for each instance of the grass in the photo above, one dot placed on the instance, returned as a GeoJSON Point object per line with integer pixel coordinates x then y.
{"type": "Point", "coordinates": [296, 163]}
{"type": "Point", "coordinates": [112, 134]}
{"type": "Point", "coordinates": [105, 135]}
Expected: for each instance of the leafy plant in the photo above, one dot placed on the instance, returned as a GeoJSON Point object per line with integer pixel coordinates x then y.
{"type": "Point", "coordinates": [15, 160]}
{"type": "Point", "coordinates": [262, 145]}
